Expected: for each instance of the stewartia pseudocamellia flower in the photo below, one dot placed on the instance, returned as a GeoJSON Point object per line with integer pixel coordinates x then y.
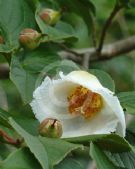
{"type": "Point", "coordinates": [80, 103]}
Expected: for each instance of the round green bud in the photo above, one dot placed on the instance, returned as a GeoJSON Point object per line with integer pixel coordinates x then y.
{"type": "Point", "coordinates": [30, 38]}
{"type": "Point", "coordinates": [50, 16]}
{"type": "Point", "coordinates": [51, 128]}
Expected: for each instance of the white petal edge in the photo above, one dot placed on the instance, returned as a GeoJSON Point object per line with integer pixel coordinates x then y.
{"type": "Point", "coordinates": [114, 104]}
{"type": "Point", "coordinates": [44, 104]}
{"type": "Point", "coordinates": [91, 82]}
{"type": "Point", "coordinates": [85, 79]}
{"type": "Point", "coordinates": [103, 123]}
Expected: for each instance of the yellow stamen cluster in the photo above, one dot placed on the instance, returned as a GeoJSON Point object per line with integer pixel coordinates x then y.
{"type": "Point", "coordinates": [84, 102]}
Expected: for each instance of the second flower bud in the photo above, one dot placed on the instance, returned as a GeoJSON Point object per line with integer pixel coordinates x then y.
{"type": "Point", "coordinates": [50, 16]}
{"type": "Point", "coordinates": [30, 38]}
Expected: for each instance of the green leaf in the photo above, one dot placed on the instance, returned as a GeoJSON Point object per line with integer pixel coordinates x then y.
{"type": "Point", "coordinates": [5, 151]}
{"type": "Point", "coordinates": [49, 152]}
{"type": "Point", "coordinates": [26, 66]}
{"type": "Point", "coordinates": [121, 160]}
{"type": "Point", "coordinates": [67, 66]}
{"type": "Point", "coordinates": [101, 159]}
{"type": "Point", "coordinates": [24, 81]}
{"type": "Point", "coordinates": [108, 160]}
{"type": "Point", "coordinates": [82, 157]}
{"type": "Point", "coordinates": [127, 100]}
{"type": "Point", "coordinates": [81, 8]}
{"type": "Point", "coordinates": [34, 145]}
{"type": "Point", "coordinates": [61, 31]}
{"type": "Point", "coordinates": [35, 61]}
{"type": "Point", "coordinates": [131, 126]}
{"type": "Point", "coordinates": [114, 143]}
{"type": "Point", "coordinates": [130, 136]}
{"type": "Point", "coordinates": [125, 159]}
{"type": "Point", "coordinates": [116, 68]}
{"type": "Point", "coordinates": [57, 149]}
{"type": "Point", "coordinates": [20, 159]}
{"type": "Point", "coordinates": [4, 115]}
{"type": "Point", "coordinates": [90, 5]}
{"type": "Point", "coordinates": [14, 17]}
{"type": "Point", "coordinates": [33, 3]}
{"type": "Point", "coordinates": [124, 3]}
{"type": "Point", "coordinates": [111, 142]}
{"type": "Point", "coordinates": [28, 124]}
{"type": "Point", "coordinates": [70, 163]}
{"type": "Point", "coordinates": [29, 68]}
{"type": "Point", "coordinates": [53, 69]}
{"type": "Point", "coordinates": [104, 78]}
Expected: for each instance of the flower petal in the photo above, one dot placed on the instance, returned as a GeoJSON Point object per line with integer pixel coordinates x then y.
{"type": "Point", "coordinates": [85, 79]}
{"type": "Point", "coordinates": [103, 123]}
{"type": "Point", "coordinates": [46, 104]}
{"type": "Point", "coordinates": [114, 104]}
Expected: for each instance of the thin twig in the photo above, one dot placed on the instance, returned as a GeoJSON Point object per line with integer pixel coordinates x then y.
{"type": "Point", "coordinates": [86, 60]}
{"type": "Point", "coordinates": [108, 22]}
{"type": "Point", "coordinates": [69, 50]}
{"type": "Point", "coordinates": [9, 140]}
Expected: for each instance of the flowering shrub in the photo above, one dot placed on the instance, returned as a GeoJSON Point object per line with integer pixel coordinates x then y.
{"type": "Point", "coordinates": [66, 100]}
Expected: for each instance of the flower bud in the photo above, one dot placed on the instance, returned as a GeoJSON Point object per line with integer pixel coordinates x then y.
{"type": "Point", "coordinates": [50, 128]}
{"type": "Point", "coordinates": [30, 38]}
{"type": "Point", "coordinates": [1, 40]}
{"type": "Point", "coordinates": [50, 16]}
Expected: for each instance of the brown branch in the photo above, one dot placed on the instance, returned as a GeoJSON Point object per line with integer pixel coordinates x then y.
{"type": "Point", "coordinates": [65, 48]}
{"type": "Point", "coordinates": [108, 22]}
{"type": "Point", "coordinates": [118, 48]}
{"type": "Point", "coordinates": [109, 51]}
{"type": "Point", "coordinates": [85, 62]}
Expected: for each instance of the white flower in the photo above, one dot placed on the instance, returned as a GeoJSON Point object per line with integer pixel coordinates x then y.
{"type": "Point", "coordinates": [60, 99]}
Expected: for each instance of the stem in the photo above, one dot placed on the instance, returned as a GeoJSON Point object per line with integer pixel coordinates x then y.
{"type": "Point", "coordinates": [85, 61]}
{"type": "Point", "coordinates": [8, 139]}
{"type": "Point", "coordinates": [53, 124]}
{"type": "Point", "coordinates": [108, 22]}
{"type": "Point", "coordinates": [69, 50]}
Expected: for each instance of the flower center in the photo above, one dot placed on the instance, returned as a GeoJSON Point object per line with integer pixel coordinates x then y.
{"type": "Point", "coordinates": [84, 102]}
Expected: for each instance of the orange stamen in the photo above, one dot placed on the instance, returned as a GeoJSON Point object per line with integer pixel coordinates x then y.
{"type": "Point", "coordinates": [84, 102]}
